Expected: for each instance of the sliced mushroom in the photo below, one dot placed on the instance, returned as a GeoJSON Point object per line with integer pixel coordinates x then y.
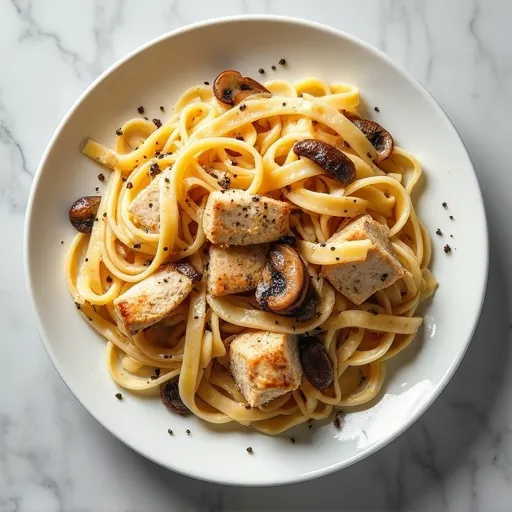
{"type": "Point", "coordinates": [316, 364]}
{"type": "Point", "coordinates": [82, 213]}
{"type": "Point", "coordinates": [170, 395]}
{"type": "Point", "coordinates": [185, 268]}
{"type": "Point", "coordinates": [328, 157]}
{"type": "Point", "coordinates": [231, 88]}
{"type": "Point", "coordinates": [378, 136]}
{"type": "Point", "coordinates": [285, 287]}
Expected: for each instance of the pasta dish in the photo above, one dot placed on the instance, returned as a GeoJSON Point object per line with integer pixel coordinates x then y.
{"type": "Point", "coordinates": [256, 258]}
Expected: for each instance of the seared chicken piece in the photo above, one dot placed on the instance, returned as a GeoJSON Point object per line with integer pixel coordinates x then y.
{"type": "Point", "coordinates": [145, 208]}
{"type": "Point", "coordinates": [150, 300]}
{"type": "Point", "coordinates": [265, 365]}
{"type": "Point", "coordinates": [359, 280]}
{"type": "Point", "coordinates": [235, 269]}
{"type": "Point", "coordinates": [235, 217]}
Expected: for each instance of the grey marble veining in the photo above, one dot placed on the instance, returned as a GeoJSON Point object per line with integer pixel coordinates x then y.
{"type": "Point", "coordinates": [55, 457]}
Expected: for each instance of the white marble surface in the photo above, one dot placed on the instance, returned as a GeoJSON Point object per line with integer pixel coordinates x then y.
{"type": "Point", "coordinates": [55, 457]}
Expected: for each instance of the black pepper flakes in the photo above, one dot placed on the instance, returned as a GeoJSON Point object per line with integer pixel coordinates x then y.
{"type": "Point", "coordinates": [249, 449]}
{"type": "Point", "coordinates": [282, 62]}
{"type": "Point", "coordinates": [170, 432]}
{"type": "Point", "coordinates": [97, 189]}
{"type": "Point", "coordinates": [447, 249]}
{"type": "Point", "coordinates": [154, 170]}
{"type": "Point", "coordinates": [141, 110]}
{"type": "Point", "coordinates": [373, 311]}
{"type": "Point", "coordinates": [273, 68]}
{"type": "Point", "coordinates": [167, 180]}
{"type": "Point", "coordinates": [207, 83]}
{"type": "Point", "coordinates": [150, 205]}
{"type": "Point", "coordinates": [261, 71]}
{"type": "Point", "coordinates": [129, 185]}
{"type": "Point", "coordinates": [77, 305]}
{"type": "Point", "coordinates": [136, 246]}
{"type": "Point", "coordinates": [383, 277]}
{"type": "Point", "coordinates": [119, 396]}
{"type": "Point", "coordinates": [310, 426]}
{"type": "Point", "coordinates": [377, 109]}
{"type": "Point", "coordinates": [451, 217]}
{"type": "Point", "coordinates": [284, 103]}
{"type": "Point", "coordinates": [157, 122]}
{"type": "Point", "coordinates": [445, 205]}
{"type": "Point", "coordinates": [337, 422]}
{"type": "Point", "coordinates": [119, 132]}
{"type": "Point", "coordinates": [188, 432]}
{"type": "Point", "coordinates": [162, 108]}
{"type": "Point", "coordinates": [256, 199]}
{"type": "Point", "coordinates": [292, 439]}
{"type": "Point", "coordinates": [224, 183]}
{"type": "Point", "coordinates": [333, 248]}
{"type": "Point", "coordinates": [166, 248]}
{"type": "Point", "coordinates": [242, 107]}
{"type": "Point", "coordinates": [101, 176]}
{"type": "Point", "coordinates": [439, 232]}
{"type": "Point", "coordinates": [109, 279]}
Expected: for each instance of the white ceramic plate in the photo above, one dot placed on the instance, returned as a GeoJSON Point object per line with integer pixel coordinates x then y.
{"type": "Point", "coordinates": [155, 75]}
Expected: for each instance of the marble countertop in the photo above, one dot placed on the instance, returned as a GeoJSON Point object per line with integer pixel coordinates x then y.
{"type": "Point", "coordinates": [55, 457]}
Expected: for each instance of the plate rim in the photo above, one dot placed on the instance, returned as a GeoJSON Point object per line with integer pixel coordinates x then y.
{"type": "Point", "coordinates": [481, 284]}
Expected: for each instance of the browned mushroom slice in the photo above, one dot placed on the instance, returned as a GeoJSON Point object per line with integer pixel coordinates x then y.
{"type": "Point", "coordinates": [185, 268]}
{"type": "Point", "coordinates": [82, 213]}
{"type": "Point", "coordinates": [316, 364]}
{"type": "Point", "coordinates": [230, 87]}
{"type": "Point", "coordinates": [170, 395]}
{"type": "Point", "coordinates": [286, 288]}
{"type": "Point", "coordinates": [307, 306]}
{"type": "Point", "coordinates": [328, 157]}
{"type": "Point", "coordinates": [378, 136]}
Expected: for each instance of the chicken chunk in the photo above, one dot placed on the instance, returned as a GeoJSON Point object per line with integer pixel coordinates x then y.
{"type": "Point", "coordinates": [265, 365]}
{"type": "Point", "coordinates": [359, 280]}
{"type": "Point", "coordinates": [145, 208]}
{"type": "Point", "coordinates": [150, 300]}
{"type": "Point", "coordinates": [235, 269]}
{"type": "Point", "coordinates": [235, 217]}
